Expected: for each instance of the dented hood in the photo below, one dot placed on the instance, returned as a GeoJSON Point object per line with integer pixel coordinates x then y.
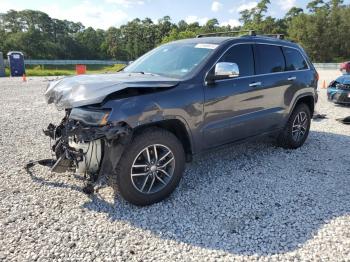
{"type": "Point", "coordinates": [84, 90]}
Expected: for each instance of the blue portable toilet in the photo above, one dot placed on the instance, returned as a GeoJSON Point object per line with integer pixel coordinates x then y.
{"type": "Point", "coordinates": [16, 63]}
{"type": "Point", "coordinates": [2, 65]}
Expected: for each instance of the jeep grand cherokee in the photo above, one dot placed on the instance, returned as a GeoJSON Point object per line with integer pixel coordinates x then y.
{"type": "Point", "coordinates": [141, 125]}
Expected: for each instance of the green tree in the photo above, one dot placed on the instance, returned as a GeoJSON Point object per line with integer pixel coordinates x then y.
{"type": "Point", "coordinates": [182, 25]}
{"type": "Point", "coordinates": [293, 12]}
{"type": "Point", "coordinates": [91, 41]}
{"type": "Point", "coordinates": [211, 25]}
{"type": "Point", "coordinates": [175, 34]}
{"type": "Point", "coordinates": [164, 27]}
{"type": "Point", "coordinates": [316, 5]}
{"type": "Point", "coordinates": [323, 31]}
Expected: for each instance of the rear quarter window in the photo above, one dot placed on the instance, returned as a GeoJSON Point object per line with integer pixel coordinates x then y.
{"type": "Point", "coordinates": [270, 59]}
{"type": "Point", "coordinates": [294, 60]}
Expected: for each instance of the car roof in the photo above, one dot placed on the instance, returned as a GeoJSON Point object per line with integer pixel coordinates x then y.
{"type": "Point", "coordinates": [343, 79]}
{"type": "Point", "coordinates": [206, 40]}
{"type": "Point", "coordinates": [221, 40]}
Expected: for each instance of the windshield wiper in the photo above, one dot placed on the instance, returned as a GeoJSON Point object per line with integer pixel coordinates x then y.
{"type": "Point", "coordinates": [144, 73]}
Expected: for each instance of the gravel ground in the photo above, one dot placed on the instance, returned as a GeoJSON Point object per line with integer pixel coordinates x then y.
{"type": "Point", "coordinates": [244, 202]}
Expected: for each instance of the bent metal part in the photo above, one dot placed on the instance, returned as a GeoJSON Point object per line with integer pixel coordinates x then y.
{"type": "Point", "coordinates": [82, 148]}
{"type": "Point", "coordinates": [93, 150]}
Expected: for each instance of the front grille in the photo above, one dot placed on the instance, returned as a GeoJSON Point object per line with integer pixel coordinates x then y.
{"type": "Point", "coordinates": [343, 87]}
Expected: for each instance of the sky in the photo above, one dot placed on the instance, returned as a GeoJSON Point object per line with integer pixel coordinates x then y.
{"type": "Point", "coordinates": [105, 13]}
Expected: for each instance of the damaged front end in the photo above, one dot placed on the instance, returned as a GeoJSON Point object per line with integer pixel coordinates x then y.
{"type": "Point", "coordinates": [92, 136]}
{"type": "Point", "coordinates": [85, 142]}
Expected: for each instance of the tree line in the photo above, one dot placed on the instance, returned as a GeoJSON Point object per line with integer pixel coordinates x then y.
{"type": "Point", "coordinates": [323, 29]}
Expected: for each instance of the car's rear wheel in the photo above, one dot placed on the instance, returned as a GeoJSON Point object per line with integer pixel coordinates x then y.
{"type": "Point", "coordinates": [297, 128]}
{"type": "Point", "coordinates": [151, 167]}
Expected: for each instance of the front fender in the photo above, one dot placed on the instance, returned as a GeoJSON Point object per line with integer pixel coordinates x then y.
{"type": "Point", "coordinates": [143, 111]}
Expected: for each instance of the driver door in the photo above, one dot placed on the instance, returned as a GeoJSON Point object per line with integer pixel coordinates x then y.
{"type": "Point", "coordinates": [232, 104]}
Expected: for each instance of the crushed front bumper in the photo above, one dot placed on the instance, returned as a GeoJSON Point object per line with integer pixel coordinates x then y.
{"type": "Point", "coordinates": [338, 96]}
{"type": "Point", "coordinates": [82, 148]}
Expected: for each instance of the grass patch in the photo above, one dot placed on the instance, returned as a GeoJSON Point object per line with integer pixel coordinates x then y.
{"type": "Point", "coordinates": [65, 70]}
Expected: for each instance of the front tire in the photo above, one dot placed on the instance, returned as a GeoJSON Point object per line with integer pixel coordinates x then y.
{"type": "Point", "coordinates": [297, 128]}
{"type": "Point", "coordinates": [151, 167]}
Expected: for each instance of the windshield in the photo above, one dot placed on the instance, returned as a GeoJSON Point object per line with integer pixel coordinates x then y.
{"type": "Point", "coordinates": [172, 60]}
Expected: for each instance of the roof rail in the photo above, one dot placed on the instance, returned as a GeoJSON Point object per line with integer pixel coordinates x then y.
{"type": "Point", "coordinates": [278, 36]}
{"type": "Point", "coordinates": [250, 32]}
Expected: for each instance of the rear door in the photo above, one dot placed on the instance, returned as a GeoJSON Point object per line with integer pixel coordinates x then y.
{"type": "Point", "coordinates": [275, 85]}
{"type": "Point", "coordinates": [298, 72]}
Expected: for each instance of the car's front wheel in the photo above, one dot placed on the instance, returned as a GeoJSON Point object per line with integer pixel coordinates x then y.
{"type": "Point", "coordinates": [297, 128]}
{"type": "Point", "coordinates": [151, 167]}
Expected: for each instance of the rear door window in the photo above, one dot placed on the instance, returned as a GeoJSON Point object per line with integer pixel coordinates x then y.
{"type": "Point", "coordinates": [270, 59]}
{"type": "Point", "coordinates": [242, 55]}
{"type": "Point", "coordinates": [294, 60]}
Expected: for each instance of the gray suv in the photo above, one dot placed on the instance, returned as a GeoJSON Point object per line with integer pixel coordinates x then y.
{"type": "Point", "coordinates": [139, 126]}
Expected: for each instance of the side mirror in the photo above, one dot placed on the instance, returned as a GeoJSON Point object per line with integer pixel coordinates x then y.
{"type": "Point", "coordinates": [225, 70]}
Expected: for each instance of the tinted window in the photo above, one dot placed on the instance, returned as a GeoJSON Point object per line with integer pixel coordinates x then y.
{"type": "Point", "coordinates": [242, 55]}
{"type": "Point", "coordinates": [271, 59]}
{"type": "Point", "coordinates": [294, 60]}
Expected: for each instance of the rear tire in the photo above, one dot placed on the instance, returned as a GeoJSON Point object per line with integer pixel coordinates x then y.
{"type": "Point", "coordinates": [146, 173]}
{"type": "Point", "coordinates": [297, 128]}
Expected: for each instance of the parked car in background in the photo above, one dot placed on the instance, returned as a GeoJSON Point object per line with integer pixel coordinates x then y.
{"type": "Point", "coordinates": [338, 90]}
{"type": "Point", "coordinates": [345, 68]}
{"type": "Point", "coordinates": [141, 125]}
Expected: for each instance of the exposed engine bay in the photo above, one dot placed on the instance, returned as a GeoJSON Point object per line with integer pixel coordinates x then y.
{"type": "Point", "coordinates": [81, 148]}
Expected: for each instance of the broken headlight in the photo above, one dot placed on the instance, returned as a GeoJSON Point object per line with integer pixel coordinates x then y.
{"type": "Point", "coordinates": [91, 117]}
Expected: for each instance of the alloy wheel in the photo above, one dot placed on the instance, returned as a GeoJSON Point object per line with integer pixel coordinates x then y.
{"type": "Point", "coordinates": [300, 125]}
{"type": "Point", "coordinates": [152, 169]}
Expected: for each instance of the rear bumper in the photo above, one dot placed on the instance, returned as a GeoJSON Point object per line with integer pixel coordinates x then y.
{"type": "Point", "coordinates": [338, 96]}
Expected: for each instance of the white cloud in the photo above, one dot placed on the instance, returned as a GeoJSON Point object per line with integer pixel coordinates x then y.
{"type": "Point", "coordinates": [88, 14]}
{"type": "Point", "coordinates": [7, 5]}
{"type": "Point", "coordinates": [285, 5]}
{"type": "Point", "coordinates": [125, 3]}
{"type": "Point", "coordinates": [243, 7]}
{"type": "Point", "coordinates": [231, 22]}
{"type": "Point", "coordinates": [193, 18]}
{"type": "Point", "coordinates": [216, 6]}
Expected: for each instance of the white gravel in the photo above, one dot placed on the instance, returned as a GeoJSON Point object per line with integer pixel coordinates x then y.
{"type": "Point", "coordinates": [245, 202]}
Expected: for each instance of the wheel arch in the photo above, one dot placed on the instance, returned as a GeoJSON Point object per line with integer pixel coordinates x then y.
{"type": "Point", "coordinates": [176, 127]}
{"type": "Point", "coordinates": [307, 99]}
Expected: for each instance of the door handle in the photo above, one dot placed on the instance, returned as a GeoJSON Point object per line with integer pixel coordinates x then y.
{"type": "Point", "coordinates": [255, 84]}
{"type": "Point", "coordinates": [292, 78]}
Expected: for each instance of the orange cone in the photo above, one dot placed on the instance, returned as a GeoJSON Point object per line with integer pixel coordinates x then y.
{"type": "Point", "coordinates": [324, 84]}
{"type": "Point", "coordinates": [24, 78]}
